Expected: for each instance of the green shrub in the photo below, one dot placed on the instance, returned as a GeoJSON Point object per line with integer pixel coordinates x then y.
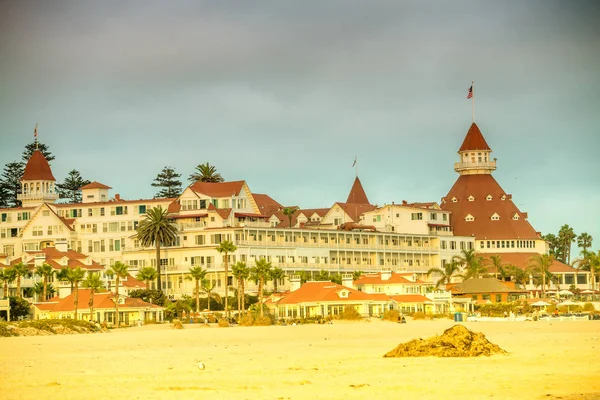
{"type": "Point", "coordinates": [263, 321]}
{"type": "Point", "coordinates": [246, 320]}
{"type": "Point", "coordinates": [223, 323]}
{"type": "Point", "coordinates": [419, 315]}
{"type": "Point", "coordinates": [391, 315]}
{"type": "Point", "coordinates": [588, 307]}
{"type": "Point", "coordinates": [350, 313]}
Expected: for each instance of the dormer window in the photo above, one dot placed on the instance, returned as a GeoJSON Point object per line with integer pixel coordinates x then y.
{"type": "Point", "coordinates": [489, 197]}
{"type": "Point", "coordinates": [471, 198]}
{"type": "Point", "coordinates": [469, 218]}
{"type": "Point", "coordinates": [515, 217]}
{"type": "Point", "coordinates": [343, 294]}
{"type": "Point", "coordinates": [454, 200]}
{"type": "Point", "coordinates": [495, 217]}
{"type": "Point", "coordinates": [503, 197]}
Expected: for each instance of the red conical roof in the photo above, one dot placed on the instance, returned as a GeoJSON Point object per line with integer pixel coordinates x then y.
{"type": "Point", "coordinates": [474, 140]}
{"type": "Point", "coordinates": [37, 168]}
{"type": "Point", "coordinates": [357, 194]}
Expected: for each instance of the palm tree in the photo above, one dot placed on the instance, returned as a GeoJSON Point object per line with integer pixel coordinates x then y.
{"type": "Point", "coordinates": [261, 273]}
{"type": "Point", "coordinates": [198, 274]}
{"type": "Point", "coordinates": [289, 212]}
{"type": "Point", "coordinates": [540, 265]}
{"type": "Point", "coordinates": [206, 173]}
{"type": "Point", "coordinates": [76, 275]}
{"type": "Point", "coordinates": [356, 275]}
{"type": "Point", "coordinates": [157, 229]}
{"type": "Point", "coordinates": [496, 263]}
{"type": "Point", "coordinates": [566, 236]}
{"type": "Point", "coordinates": [276, 274]}
{"type": "Point", "coordinates": [517, 274]}
{"type": "Point", "coordinates": [240, 272]}
{"type": "Point", "coordinates": [45, 271]}
{"type": "Point", "coordinates": [471, 262]}
{"type": "Point", "coordinates": [208, 287]}
{"type": "Point", "coordinates": [450, 271]}
{"type": "Point", "coordinates": [119, 271]}
{"type": "Point", "coordinates": [7, 276]}
{"type": "Point", "coordinates": [147, 274]}
{"type": "Point", "coordinates": [20, 270]}
{"type": "Point", "coordinates": [63, 275]}
{"type": "Point", "coordinates": [94, 283]}
{"type": "Point", "coordinates": [226, 247]}
{"type": "Point", "coordinates": [591, 262]}
{"type": "Point", "coordinates": [584, 240]}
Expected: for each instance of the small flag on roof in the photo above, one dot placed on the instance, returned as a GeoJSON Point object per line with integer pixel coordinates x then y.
{"type": "Point", "coordinates": [470, 94]}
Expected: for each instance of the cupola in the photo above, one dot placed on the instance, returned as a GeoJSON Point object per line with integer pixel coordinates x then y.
{"type": "Point", "coordinates": [475, 154]}
{"type": "Point", "coordinates": [37, 183]}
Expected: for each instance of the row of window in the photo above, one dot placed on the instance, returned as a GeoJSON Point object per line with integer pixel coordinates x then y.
{"type": "Point", "coordinates": [453, 243]}
{"type": "Point", "coordinates": [101, 211]}
{"type": "Point", "coordinates": [507, 244]}
{"type": "Point", "coordinates": [202, 204]}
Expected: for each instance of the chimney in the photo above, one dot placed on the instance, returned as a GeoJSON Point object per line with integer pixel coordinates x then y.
{"type": "Point", "coordinates": [61, 245]}
{"type": "Point", "coordinates": [117, 197]}
{"type": "Point", "coordinates": [386, 274]}
{"type": "Point", "coordinates": [347, 281]}
{"type": "Point", "coordinates": [404, 202]}
{"type": "Point", "coordinates": [294, 283]}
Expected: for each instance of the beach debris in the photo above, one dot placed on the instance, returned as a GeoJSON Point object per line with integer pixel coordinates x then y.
{"type": "Point", "coordinates": [201, 365]}
{"type": "Point", "coordinates": [359, 385]}
{"type": "Point", "coordinates": [176, 324]}
{"type": "Point", "coordinates": [457, 341]}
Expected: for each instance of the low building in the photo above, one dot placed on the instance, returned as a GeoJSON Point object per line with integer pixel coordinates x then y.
{"type": "Point", "coordinates": [130, 309]}
{"type": "Point", "coordinates": [487, 289]}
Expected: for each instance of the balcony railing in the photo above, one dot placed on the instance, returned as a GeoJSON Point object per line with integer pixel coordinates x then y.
{"type": "Point", "coordinates": [340, 246]}
{"type": "Point", "coordinates": [475, 165]}
{"type": "Point", "coordinates": [37, 195]}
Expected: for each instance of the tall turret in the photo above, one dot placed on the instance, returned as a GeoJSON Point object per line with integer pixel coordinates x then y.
{"type": "Point", "coordinates": [37, 183]}
{"type": "Point", "coordinates": [475, 154]}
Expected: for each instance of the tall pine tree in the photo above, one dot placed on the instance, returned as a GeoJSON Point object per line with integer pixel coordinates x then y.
{"type": "Point", "coordinates": [169, 183]}
{"type": "Point", "coordinates": [31, 147]}
{"type": "Point", "coordinates": [69, 189]}
{"type": "Point", "coordinates": [10, 184]}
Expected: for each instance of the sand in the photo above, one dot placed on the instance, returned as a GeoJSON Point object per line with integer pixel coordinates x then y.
{"type": "Point", "coordinates": [340, 361]}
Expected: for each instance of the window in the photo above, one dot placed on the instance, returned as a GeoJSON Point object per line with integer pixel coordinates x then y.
{"type": "Point", "coordinates": [454, 200]}
{"type": "Point", "coordinates": [46, 213]}
{"type": "Point", "coordinates": [215, 203]}
{"type": "Point", "coordinates": [443, 245]}
{"type": "Point", "coordinates": [23, 216]}
{"type": "Point", "coordinates": [495, 217]}
{"type": "Point", "coordinates": [118, 210]}
{"type": "Point", "coordinates": [4, 217]}
{"type": "Point", "coordinates": [503, 197]}
{"type": "Point", "coordinates": [471, 198]}
{"type": "Point", "coordinates": [482, 245]}
{"type": "Point", "coordinates": [202, 204]}
{"type": "Point", "coordinates": [142, 209]}
{"type": "Point", "coordinates": [199, 240]}
{"type": "Point", "coordinates": [489, 197]}
{"type": "Point", "coordinates": [469, 217]}
{"type": "Point", "coordinates": [90, 212]}
{"type": "Point", "coordinates": [416, 216]}
{"type": "Point", "coordinates": [498, 298]}
{"type": "Point", "coordinates": [515, 217]}
{"type": "Point", "coordinates": [102, 211]}
{"type": "Point", "coordinates": [433, 216]}
{"type": "Point", "coordinates": [444, 217]}
{"type": "Point", "coordinates": [452, 245]}
{"type": "Point", "coordinates": [38, 231]}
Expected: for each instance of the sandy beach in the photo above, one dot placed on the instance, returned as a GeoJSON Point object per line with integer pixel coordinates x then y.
{"type": "Point", "coordinates": [339, 361]}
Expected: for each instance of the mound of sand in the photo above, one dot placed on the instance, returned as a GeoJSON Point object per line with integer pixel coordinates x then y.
{"type": "Point", "coordinates": [457, 341]}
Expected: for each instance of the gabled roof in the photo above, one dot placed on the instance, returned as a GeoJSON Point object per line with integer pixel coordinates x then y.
{"type": "Point", "coordinates": [37, 168]}
{"type": "Point", "coordinates": [354, 210]}
{"type": "Point", "coordinates": [483, 227]}
{"type": "Point", "coordinates": [220, 189]}
{"type": "Point", "coordinates": [328, 292]}
{"type": "Point", "coordinates": [102, 301]}
{"type": "Point", "coordinates": [483, 285]}
{"type": "Point", "coordinates": [223, 212]}
{"type": "Point", "coordinates": [522, 260]}
{"type": "Point", "coordinates": [357, 194]}
{"type": "Point", "coordinates": [266, 205]}
{"type": "Point", "coordinates": [53, 256]}
{"type": "Point", "coordinates": [474, 140]}
{"type": "Point", "coordinates": [94, 185]}
{"type": "Point", "coordinates": [375, 279]}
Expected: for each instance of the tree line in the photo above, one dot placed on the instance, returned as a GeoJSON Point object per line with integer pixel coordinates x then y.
{"type": "Point", "coordinates": [167, 181]}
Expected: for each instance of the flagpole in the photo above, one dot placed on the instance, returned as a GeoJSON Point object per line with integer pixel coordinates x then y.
{"type": "Point", "coordinates": [473, 101]}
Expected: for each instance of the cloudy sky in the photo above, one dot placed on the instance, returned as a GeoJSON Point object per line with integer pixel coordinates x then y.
{"type": "Point", "coordinates": [285, 94]}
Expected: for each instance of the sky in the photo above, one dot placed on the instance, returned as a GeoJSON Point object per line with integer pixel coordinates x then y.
{"type": "Point", "coordinates": [286, 94]}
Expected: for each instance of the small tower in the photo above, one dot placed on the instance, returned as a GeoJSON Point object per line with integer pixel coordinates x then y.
{"type": "Point", "coordinates": [475, 154]}
{"type": "Point", "coordinates": [37, 182]}
{"type": "Point", "coordinates": [357, 194]}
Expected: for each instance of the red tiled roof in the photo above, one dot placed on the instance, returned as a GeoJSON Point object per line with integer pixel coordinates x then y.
{"type": "Point", "coordinates": [102, 300]}
{"type": "Point", "coordinates": [409, 298]}
{"type": "Point", "coordinates": [327, 291]}
{"type": "Point", "coordinates": [375, 279]}
{"type": "Point", "coordinates": [223, 212]}
{"type": "Point", "coordinates": [266, 204]}
{"type": "Point", "coordinates": [37, 168]}
{"type": "Point", "coordinates": [174, 207]}
{"type": "Point", "coordinates": [480, 186]}
{"type": "Point", "coordinates": [474, 140]}
{"type": "Point", "coordinates": [357, 194]}
{"type": "Point", "coordinates": [94, 185]}
{"type": "Point", "coordinates": [522, 260]}
{"type": "Point", "coordinates": [222, 189]}
{"type": "Point", "coordinates": [53, 255]}
{"type": "Point", "coordinates": [132, 282]}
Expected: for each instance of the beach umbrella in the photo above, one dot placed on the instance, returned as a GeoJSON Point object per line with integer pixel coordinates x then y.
{"type": "Point", "coordinates": [565, 292]}
{"type": "Point", "coordinates": [587, 291]}
{"type": "Point", "coordinates": [567, 303]}
{"type": "Point", "coordinates": [540, 304]}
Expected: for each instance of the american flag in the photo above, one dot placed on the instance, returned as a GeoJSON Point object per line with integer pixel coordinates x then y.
{"type": "Point", "coordinates": [470, 94]}
{"type": "Point", "coordinates": [35, 131]}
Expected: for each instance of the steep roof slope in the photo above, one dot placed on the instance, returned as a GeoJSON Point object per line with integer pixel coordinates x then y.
{"type": "Point", "coordinates": [481, 209]}
{"type": "Point", "coordinates": [37, 168]}
{"type": "Point", "coordinates": [474, 140]}
{"type": "Point", "coordinates": [357, 194]}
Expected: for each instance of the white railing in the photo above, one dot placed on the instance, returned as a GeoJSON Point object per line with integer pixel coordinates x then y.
{"type": "Point", "coordinates": [37, 195]}
{"type": "Point", "coordinates": [475, 165]}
